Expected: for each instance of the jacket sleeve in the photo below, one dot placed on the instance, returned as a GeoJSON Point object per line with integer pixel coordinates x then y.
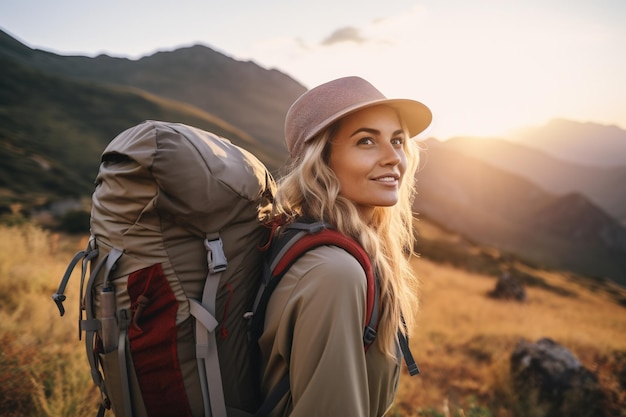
{"type": "Point", "coordinates": [328, 371]}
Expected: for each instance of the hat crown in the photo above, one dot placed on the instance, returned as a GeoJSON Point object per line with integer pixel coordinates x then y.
{"type": "Point", "coordinates": [311, 112]}
{"type": "Point", "coordinates": [323, 105]}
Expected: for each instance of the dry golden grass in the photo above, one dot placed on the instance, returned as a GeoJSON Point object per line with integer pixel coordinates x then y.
{"type": "Point", "coordinates": [464, 338]}
{"type": "Point", "coordinates": [463, 341]}
{"type": "Point", "coordinates": [39, 352]}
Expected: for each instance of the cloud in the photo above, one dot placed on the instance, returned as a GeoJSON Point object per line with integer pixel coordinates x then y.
{"type": "Point", "coordinates": [301, 44]}
{"type": "Point", "coordinates": [345, 34]}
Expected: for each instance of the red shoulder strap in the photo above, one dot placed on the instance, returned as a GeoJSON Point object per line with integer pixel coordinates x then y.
{"type": "Point", "coordinates": [300, 245]}
{"type": "Point", "coordinates": [335, 238]}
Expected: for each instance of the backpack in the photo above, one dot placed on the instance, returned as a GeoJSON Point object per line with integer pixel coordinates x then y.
{"type": "Point", "coordinates": [175, 268]}
{"type": "Point", "coordinates": [173, 207]}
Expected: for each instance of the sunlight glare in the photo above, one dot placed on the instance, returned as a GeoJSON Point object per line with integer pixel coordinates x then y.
{"type": "Point", "coordinates": [478, 72]}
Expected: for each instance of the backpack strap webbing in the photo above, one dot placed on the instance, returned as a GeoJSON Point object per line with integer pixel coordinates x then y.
{"type": "Point", "coordinates": [90, 325]}
{"type": "Point", "coordinates": [86, 255]}
{"type": "Point", "coordinates": [408, 356]}
{"type": "Point", "coordinates": [206, 344]}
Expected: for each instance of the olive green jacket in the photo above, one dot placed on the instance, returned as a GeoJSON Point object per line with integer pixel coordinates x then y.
{"type": "Point", "coordinates": [314, 330]}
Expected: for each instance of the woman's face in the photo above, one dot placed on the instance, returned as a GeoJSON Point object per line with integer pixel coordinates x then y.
{"type": "Point", "coordinates": [367, 156]}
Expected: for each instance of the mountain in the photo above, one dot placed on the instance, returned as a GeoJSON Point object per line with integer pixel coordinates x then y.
{"type": "Point", "coordinates": [604, 185]}
{"type": "Point", "coordinates": [574, 218]}
{"type": "Point", "coordinates": [500, 209]}
{"type": "Point", "coordinates": [243, 94]}
{"type": "Point", "coordinates": [57, 113]}
{"type": "Point", "coordinates": [582, 143]}
{"type": "Point", "coordinates": [53, 130]}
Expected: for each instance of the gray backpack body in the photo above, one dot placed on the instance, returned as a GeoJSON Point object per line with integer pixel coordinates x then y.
{"type": "Point", "coordinates": [176, 223]}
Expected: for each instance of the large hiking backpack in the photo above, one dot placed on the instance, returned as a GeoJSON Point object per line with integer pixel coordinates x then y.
{"type": "Point", "coordinates": [176, 221]}
{"type": "Point", "coordinates": [178, 284]}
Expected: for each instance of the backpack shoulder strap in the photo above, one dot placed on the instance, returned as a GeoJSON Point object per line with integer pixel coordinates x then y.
{"type": "Point", "coordinates": [298, 239]}
{"type": "Point", "coordinates": [285, 251]}
{"type": "Point", "coordinates": [319, 235]}
{"type": "Point", "coordinates": [332, 237]}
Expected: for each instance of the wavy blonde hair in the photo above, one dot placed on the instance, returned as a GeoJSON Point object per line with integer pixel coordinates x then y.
{"type": "Point", "coordinates": [311, 189]}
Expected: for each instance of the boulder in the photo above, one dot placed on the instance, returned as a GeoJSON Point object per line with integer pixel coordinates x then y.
{"type": "Point", "coordinates": [550, 381]}
{"type": "Point", "coordinates": [508, 287]}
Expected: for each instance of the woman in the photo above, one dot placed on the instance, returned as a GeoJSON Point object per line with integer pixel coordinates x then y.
{"type": "Point", "coordinates": [352, 166]}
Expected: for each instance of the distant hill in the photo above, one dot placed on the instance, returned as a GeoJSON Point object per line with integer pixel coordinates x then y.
{"type": "Point", "coordinates": [57, 113]}
{"type": "Point", "coordinates": [582, 143]}
{"type": "Point", "coordinates": [501, 209]}
{"type": "Point", "coordinates": [243, 94]}
{"type": "Point", "coordinates": [53, 131]}
{"type": "Point", "coordinates": [604, 185]}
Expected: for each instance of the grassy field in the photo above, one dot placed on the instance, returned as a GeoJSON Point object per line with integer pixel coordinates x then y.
{"type": "Point", "coordinates": [43, 369]}
{"type": "Point", "coordinates": [465, 339]}
{"type": "Point", "coordinates": [463, 343]}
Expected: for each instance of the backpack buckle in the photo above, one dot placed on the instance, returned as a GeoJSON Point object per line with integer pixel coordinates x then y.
{"type": "Point", "coordinates": [216, 258]}
{"type": "Point", "coordinates": [369, 335]}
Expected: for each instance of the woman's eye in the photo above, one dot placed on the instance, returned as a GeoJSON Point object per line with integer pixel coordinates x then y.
{"type": "Point", "coordinates": [366, 141]}
{"type": "Point", "coordinates": [397, 141]}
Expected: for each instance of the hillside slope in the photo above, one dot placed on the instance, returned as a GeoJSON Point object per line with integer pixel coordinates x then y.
{"type": "Point", "coordinates": [605, 185]}
{"type": "Point", "coordinates": [53, 130]}
{"type": "Point", "coordinates": [503, 210]}
{"type": "Point", "coordinates": [243, 94]}
{"type": "Point", "coordinates": [582, 143]}
{"type": "Point", "coordinates": [462, 343]}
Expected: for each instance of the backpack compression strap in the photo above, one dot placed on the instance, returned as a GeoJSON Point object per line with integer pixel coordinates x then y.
{"type": "Point", "coordinates": [206, 344]}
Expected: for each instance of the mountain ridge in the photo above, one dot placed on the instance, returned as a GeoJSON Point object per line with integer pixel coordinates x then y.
{"type": "Point", "coordinates": [577, 141]}
{"type": "Point", "coordinates": [604, 185]}
{"type": "Point", "coordinates": [53, 130]}
{"type": "Point", "coordinates": [58, 113]}
{"type": "Point", "coordinates": [241, 93]}
{"type": "Point", "coordinates": [501, 209]}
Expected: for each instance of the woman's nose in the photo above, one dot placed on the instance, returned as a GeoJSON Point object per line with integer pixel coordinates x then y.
{"type": "Point", "coordinates": [390, 155]}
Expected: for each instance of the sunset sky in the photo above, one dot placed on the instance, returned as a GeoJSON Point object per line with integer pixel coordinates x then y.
{"type": "Point", "coordinates": [483, 67]}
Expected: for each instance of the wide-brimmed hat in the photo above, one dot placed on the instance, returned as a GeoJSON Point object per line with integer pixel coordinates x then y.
{"type": "Point", "coordinates": [321, 106]}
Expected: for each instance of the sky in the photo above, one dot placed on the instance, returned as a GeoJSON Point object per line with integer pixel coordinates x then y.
{"type": "Point", "coordinates": [484, 67]}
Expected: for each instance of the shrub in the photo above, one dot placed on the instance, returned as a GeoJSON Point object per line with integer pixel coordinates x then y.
{"type": "Point", "coordinates": [74, 222]}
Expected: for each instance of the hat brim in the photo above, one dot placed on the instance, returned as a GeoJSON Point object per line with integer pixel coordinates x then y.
{"type": "Point", "coordinates": [415, 115]}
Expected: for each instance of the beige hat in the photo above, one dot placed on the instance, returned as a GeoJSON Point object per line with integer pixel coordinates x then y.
{"type": "Point", "coordinates": [321, 106]}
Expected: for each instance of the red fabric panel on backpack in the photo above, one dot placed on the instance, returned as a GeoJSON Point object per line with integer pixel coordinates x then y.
{"type": "Point", "coordinates": [153, 345]}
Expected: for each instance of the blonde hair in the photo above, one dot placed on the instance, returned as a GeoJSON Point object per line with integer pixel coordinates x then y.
{"type": "Point", "coordinates": [311, 189]}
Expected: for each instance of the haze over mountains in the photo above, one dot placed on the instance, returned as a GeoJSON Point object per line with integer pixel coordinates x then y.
{"type": "Point", "coordinates": [499, 208]}
{"type": "Point", "coordinates": [583, 143]}
{"type": "Point", "coordinates": [533, 195]}
{"type": "Point", "coordinates": [604, 184]}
